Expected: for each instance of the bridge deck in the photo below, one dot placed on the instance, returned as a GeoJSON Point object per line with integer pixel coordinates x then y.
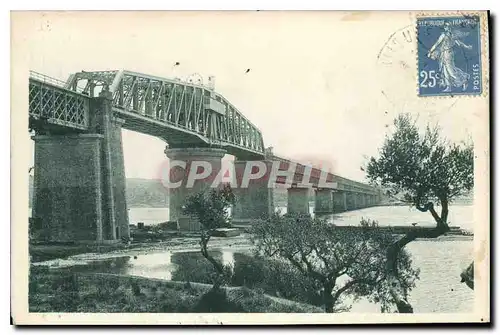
{"type": "Point", "coordinates": [183, 114]}
{"type": "Point", "coordinates": [180, 113]}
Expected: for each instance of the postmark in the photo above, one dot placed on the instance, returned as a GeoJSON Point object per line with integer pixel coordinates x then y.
{"type": "Point", "coordinates": [449, 55]}
{"type": "Point", "coordinates": [397, 65]}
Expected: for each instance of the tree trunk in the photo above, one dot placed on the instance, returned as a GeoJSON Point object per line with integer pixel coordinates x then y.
{"type": "Point", "coordinates": [398, 293]}
{"type": "Point", "coordinates": [205, 237]}
{"type": "Point", "coordinates": [328, 299]}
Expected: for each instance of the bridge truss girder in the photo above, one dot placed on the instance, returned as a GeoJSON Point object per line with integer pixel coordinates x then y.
{"type": "Point", "coordinates": [176, 104]}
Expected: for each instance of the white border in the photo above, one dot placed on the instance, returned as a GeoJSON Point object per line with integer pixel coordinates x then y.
{"type": "Point", "coordinates": [260, 4]}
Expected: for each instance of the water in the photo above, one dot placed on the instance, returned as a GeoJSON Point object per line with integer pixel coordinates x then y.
{"type": "Point", "coordinates": [438, 291]}
{"type": "Point", "coordinates": [401, 215]}
{"type": "Point", "coordinates": [440, 261]}
{"type": "Point", "coordinates": [395, 215]}
{"type": "Point", "coordinates": [148, 215]}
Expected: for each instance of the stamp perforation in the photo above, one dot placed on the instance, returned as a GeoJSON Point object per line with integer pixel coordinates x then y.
{"type": "Point", "coordinates": [483, 50]}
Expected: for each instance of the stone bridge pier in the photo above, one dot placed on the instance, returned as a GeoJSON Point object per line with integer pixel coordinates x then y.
{"type": "Point", "coordinates": [79, 182]}
{"type": "Point", "coordinates": [351, 201]}
{"type": "Point", "coordinates": [254, 200]}
{"type": "Point", "coordinates": [323, 201]}
{"type": "Point", "coordinates": [298, 200]}
{"type": "Point", "coordinates": [339, 201]}
{"type": "Point", "coordinates": [191, 170]}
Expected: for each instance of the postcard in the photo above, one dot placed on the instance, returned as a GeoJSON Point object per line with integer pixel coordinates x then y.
{"type": "Point", "coordinates": [250, 167]}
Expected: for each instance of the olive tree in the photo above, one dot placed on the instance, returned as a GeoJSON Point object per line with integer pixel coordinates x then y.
{"type": "Point", "coordinates": [425, 171]}
{"type": "Point", "coordinates": [341, 260]}
{"type": "Point", "coordinates": [210, 208]}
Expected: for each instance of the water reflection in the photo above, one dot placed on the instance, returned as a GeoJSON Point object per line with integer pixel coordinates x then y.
{"type": "Point", "coordinates": [166, 265]}
{"type": "Point", "coordinates": [228, 258]}
{"type": "Point", "coordinates": [152, 266]}
{"type": "Point", "coordinates": [438, 290]}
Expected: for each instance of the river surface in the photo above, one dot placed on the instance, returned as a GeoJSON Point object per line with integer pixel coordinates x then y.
{"type": "Point", "coordinates": [386, 215]}
{"type": "Point", "coordinates": [440, 260]}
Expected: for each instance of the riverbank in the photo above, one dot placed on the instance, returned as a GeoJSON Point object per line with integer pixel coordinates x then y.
{"type": "Point", "coordinates": [63, 291]}
{"type": "Point", "coordinates": [182, 261]}
{"type": "Point", "coordinates": [181, 242]}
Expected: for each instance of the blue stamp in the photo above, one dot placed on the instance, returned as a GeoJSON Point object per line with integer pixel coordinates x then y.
{"type": "Point", "coordinates": [449, 56]}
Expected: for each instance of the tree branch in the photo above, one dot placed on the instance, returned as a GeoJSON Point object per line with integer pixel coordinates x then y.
{"type": "Point", "coordinates": [430, 207]}
{"type": "Point", "coordinates": [310, 269]}
{"type": "Point", "coordinates": [325, 261]}
{"type": "Point", "coordinates": [296, 264]}
{"type": "Point", "coordinates": [205, 237]}
{"type": "Point", "coordinates": [351, 284]}
{"type": "Point", "coordinates": [396, 247]}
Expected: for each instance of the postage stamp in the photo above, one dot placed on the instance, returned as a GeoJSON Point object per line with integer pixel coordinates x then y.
{"type": "Point", "coordinates": [449, 56]}
{"type": "Point", "coordinates": [310, 184]}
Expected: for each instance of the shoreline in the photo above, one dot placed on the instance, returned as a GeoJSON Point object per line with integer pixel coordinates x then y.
{"type": "Point", "coordinates": [176, 245]}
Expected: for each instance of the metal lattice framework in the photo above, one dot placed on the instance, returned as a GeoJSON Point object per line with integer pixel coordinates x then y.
{"type": "Point", "coordinates": [181, 113]}
{"type": "Point", "coordinates": [50, 101]}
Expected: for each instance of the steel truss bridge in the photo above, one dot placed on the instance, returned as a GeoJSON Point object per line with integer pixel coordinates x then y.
{"type": "Point", "coordinates": [80, 193]}
{"type": "Point", "coordinates": [183, 114]}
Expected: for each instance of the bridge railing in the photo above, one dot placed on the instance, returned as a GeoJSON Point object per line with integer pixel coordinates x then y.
{"type": "Point", "coordinates": [52, 81]}
{"type": "Point", "coordinates": [50, 102]}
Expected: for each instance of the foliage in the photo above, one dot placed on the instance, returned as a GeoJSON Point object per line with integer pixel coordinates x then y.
{"type": "Point", "coordinates": [275, 277]}
{"type": "Point", "coordinates": [423, 169]}
{"type": "Point", "coordinates": [193, 267]}
{"type": "Point", "coordinates": [101, 293]}
{"type": "Point", "coordinates": [211, 210]}
{"type": "Point", "coordinates": [468, 275]}
{"type": "Point", "coordinates": [271, 276]}
{"type": "Point", "coordinates": [342, 260]}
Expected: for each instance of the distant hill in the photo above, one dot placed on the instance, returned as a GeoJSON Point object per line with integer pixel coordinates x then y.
{"type": "Point", "coordinates": [140, 193]}
{"type": "Point", "coordinates": [152, 193]}
{"type": "Point", "coordinates": [146, 193]}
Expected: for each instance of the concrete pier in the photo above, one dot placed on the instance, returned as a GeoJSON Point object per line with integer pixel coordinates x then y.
{"type": "Point", "coordinates": [350, 201]}
{"type": "Point", "coordinates": [298, 200]}
{"type": "Point", "coordinates": [339, 201]}
{"type": "Point", "coordinates": [255, 200]}
{"type": "Point", "coordinates": [180, 175]}
{"type": "Point", "coordinates": [118, 180]}
{"type": "Point", "coordinates": [323, 201]}
{"type": "Point", "coordinates": [68, 202]}
{"type": "Point", "coordinates": [79, 181]}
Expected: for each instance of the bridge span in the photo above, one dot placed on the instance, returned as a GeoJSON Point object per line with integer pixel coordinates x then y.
{"type": "Point", "coordinates": [79, 177]}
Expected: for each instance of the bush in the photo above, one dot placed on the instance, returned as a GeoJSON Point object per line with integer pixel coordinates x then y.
{"type": "Point", "coordinates": [274, 277]}
{"type": "Point", "coordinates": [192, 267]}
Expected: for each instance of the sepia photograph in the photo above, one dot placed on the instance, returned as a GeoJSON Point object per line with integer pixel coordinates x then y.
{"type": "Point", "coordinates": [250, 167]}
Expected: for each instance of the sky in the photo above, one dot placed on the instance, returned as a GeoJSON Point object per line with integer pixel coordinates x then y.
{"type": "Point", "coordinates": [323, 87]}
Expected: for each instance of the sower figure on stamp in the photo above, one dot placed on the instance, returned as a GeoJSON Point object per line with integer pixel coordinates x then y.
{"type": "Point", "coordinates": [442, 51]}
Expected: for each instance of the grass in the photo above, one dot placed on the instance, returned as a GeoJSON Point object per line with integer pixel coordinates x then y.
{"type": "Point", "coordinates": [44, 252]}
{"type": "Point", "coordinates": [63, 291]}
{"type": "Point", "coordinates": [270, 276]}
